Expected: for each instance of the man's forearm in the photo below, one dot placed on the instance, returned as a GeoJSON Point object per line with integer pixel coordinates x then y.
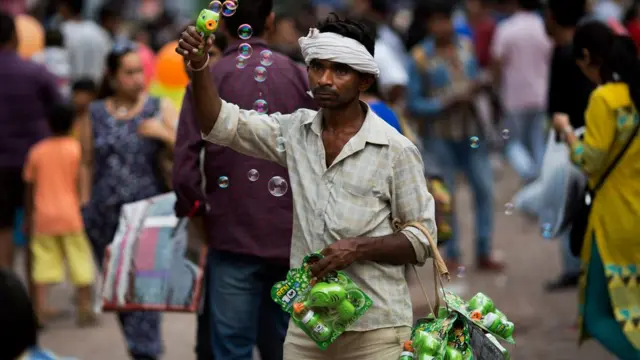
{"type": "Point", "coordinates": [206, 99]}
{"type": "Point", "coordinates": [394, 249]}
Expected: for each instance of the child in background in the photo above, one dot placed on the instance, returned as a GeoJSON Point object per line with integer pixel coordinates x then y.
{"type": "Point", "coordinates": [56, 59]}
{"type": "Point", "coordinates": [53, 219]}
{"type": "Point", "coordinates": [20, 331]}
{"type": "Point", "coordinates": [83, 92]}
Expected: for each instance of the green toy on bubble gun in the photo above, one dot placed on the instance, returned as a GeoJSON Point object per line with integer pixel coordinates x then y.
{"type": "Point", "coordinates": [323, 309]}
{"type": "Point", "coordinates": [207, 23]}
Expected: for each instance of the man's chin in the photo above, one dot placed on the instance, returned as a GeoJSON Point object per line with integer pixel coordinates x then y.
{"type": "Point", "coordinates": [327, 103]}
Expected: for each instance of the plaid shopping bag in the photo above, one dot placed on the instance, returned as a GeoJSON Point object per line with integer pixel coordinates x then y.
{"type": "Point", "coordinates": [155, 261]}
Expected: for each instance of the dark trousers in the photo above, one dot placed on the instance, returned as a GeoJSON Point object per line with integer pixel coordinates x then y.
{"type": "Point", "coordinates": [238, 312]}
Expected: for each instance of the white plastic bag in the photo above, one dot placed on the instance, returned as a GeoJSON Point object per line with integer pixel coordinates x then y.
{"type": "Point", "coordinates": [549, 196]}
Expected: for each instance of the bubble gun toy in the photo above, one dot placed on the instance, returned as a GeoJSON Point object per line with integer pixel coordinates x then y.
{"type": "Point", "coordinates": [330, 295]}
{"type": "Point", "coordinates": [207, 23]}
{"type": "Point", "coordinates": [322, 308]}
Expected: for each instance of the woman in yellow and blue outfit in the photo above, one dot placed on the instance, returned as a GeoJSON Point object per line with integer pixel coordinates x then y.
{"type": "Point", "coordinates": [610, 283]}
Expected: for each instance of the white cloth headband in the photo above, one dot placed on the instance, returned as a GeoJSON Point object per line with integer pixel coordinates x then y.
{"type": "Point", "coordinates": [337, 48]}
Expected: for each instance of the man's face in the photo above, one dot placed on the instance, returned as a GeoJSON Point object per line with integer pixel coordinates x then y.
{"type": "Point", "coordinates": [81, 99]}
{"type": "Point", "coordinates": [335, 85]}
{"type": "Point", "coordinates": [440, 26]}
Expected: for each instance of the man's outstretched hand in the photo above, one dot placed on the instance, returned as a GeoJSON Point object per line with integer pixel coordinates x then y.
{"type": "Point", "coordinates": [337, 256]}
{"type": "Point", "coordinates": [193, 46]}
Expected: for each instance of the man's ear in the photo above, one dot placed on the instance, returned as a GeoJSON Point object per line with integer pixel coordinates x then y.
{"type": "Point", "coordinates": [366, 81]}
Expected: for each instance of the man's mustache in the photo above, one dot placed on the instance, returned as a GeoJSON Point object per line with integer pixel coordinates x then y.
{"type": "Point", "coordinates": [324, 91]}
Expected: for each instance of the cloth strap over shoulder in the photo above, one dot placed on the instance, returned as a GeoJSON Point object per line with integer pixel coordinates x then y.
{"type": "Point", "coordinates": [439, 266]}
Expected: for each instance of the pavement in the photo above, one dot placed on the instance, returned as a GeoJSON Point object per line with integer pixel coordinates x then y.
{"type": "Point", "coordinates": [545, 323]}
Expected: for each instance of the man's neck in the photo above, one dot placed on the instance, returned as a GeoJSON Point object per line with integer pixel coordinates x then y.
{"type": "Point", "coordinates": [349, 118]}
{"type": "Point", "coordinates": [564, 36]}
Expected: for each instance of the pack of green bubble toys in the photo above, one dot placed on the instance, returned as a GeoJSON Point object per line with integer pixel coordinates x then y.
{"type": "Point", "coordinates": [443, 338]}
{"type": "Point", "coordinates": [483, 313]}
{"type": "Point", "coordinates": [323, 309]}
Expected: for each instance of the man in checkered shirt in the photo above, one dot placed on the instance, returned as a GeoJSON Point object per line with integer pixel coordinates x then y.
{"type": "Point", "coordinates": [351, 174]}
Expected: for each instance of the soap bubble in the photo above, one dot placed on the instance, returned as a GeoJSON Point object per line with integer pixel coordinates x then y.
{"type": "Point", "coordinates": [505, 134]}
{"type": "Point", "coordinates": [546, 231]}
{"type": "Point", "coordinates": [253, 175]}
{"type": "Point", "coordinates": [245, 31]}
{"type": "Point", "coordinates": [241, 62]}
{"type": "Point", "coordinates": [261, 106]}
{"type": "Point", "coordinates": [260, 74]}
{"type": "Point", "coordinates": [277, 186]}
{"type": "Point", "coordinates": [215, 6]}
{"type": "Point", "coordinates": [266, 57]}
{"type": "Point", "coordinates": [460, 271]}
{"type": "Point", "coordinates": [475, 142]}
{"type": "Point", "coordinates": [280, 144]}
{"type": "Point", "coordinates": [223, 182]}
{"type": "Point", "coordinates": [229, 8]}
{"type": "Point", "coordinates": [245, 50]}
{"type": "Point", "coordinates": [508, 208]}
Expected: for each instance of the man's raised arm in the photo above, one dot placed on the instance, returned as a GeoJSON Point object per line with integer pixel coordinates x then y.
{"type": "Point", "coordinates": [207, 102]}
{"type": "Point", "coordinates": [245, 131]}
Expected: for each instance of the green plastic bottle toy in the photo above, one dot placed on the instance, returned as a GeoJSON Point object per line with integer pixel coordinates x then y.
{"type": "Point", "coordinates": [331, 295]}
{"type": "Point", "coordinates": [318, 330]}
{"type": "Point", "coordinates": [498, 325]}
{"type": "Point", "coordinates": [207, 23]}
{"type": "Point", "coordinates": [426, 344]}
{"type": "Point", "coordinates": [482, 303]}
{"type": "Point", "coordinates": [452, 354]}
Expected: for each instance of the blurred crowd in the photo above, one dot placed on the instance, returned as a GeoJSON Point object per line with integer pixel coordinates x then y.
{"type": "Point", "coordinates": [488, 75]}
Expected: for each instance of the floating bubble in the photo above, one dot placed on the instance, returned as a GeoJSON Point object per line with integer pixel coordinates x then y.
{"type": "Point", "coordinates": [260, 74]}
{"type": "Point", "coordinates": [266, 57]}
{"type": "Point", "coordinates": [280, 144]}
{"type": "Point", "coordinates": [508, 208]}
{"type": "Point", "coordinates": [253, 175]}
{"type": "Point", "coordinates": [505, 134]}
{"type": "Point", "coordinates": [546, 231]}
{"type": "Point", "coordinates": [223, 182]}
{"type": "Point", "coordinates": [277, 186]}
{"type": "Point", "coordinates": [215, 6]}
{"type": "Point", "coordinates": [261, 106]}
{"type": "Point", "coordinates": [245, 50]}
{"type": "Point", "coordinates": [475, 142]}
{"type": "Point", "coordinates": [241, 62]}
{"type": "Point", "coordinates": [245, 31]}
{"type": "Point", "coordinates": [460, 271]}
{"type": "Point", "coordinates": [229, 8]}
{"type": "Point", "coordinates": [501, 281]}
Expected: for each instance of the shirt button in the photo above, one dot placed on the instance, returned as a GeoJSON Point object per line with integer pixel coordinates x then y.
{"type": "Point", "coordinates": [318, 212]}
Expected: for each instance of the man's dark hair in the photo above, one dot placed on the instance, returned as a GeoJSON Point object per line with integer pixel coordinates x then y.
{"type": "Point", "coordinates": [7, 28]}
{"type": "Point", "coordinates": [252, 12]}
{"type": "Point", "coordinates": [85, 84]}
{"type": "Point", "coordinates": [380, 7]}
{"type": "Point", "coordinates": [351, 29]}
{"type": "Point", "coordinates": [530, 5]}
{"type": "Point", "coordinates": [53, 37]}
{"type": "Point", "coordinates": [61, 118]}
{"type": "Point", "coordinates": [567, 13]}
{"type": "Point", "coordinates": [107, 12]}
{"type": "Point", "coordinates": [75, 6]}
{"type": "Point", "coordinates": [16, 309]}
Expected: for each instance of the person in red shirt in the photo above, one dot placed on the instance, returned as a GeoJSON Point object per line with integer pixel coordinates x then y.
{"type": "Point", "coordinates": [482, 27]}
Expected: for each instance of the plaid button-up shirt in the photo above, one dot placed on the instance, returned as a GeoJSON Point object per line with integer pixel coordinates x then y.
{"type": "Point", "coordinates": [377, 177]}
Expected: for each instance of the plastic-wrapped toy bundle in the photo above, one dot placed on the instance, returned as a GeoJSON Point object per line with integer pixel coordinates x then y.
{"type": "Point", "coordinates": [483, 313]}
{"type": "Point", "coordinates": [461, 331]}
{"type": "Point", "coordinates": [443, 338]}
{"type": "Point", "coordinates": [324, 309]}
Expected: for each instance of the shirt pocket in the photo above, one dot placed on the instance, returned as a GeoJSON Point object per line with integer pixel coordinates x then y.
{"type": "Point", "coordinates": [355, 209]}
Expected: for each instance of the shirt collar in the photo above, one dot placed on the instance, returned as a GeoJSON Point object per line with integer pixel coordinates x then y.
{"type": "Point", "coordinates": [372, 130]}
{"type": "Point", "coordinates": [255, 42]}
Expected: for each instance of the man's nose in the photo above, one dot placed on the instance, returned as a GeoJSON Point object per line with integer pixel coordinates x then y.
{"type": "Point", "coordinates": [326, 79]}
